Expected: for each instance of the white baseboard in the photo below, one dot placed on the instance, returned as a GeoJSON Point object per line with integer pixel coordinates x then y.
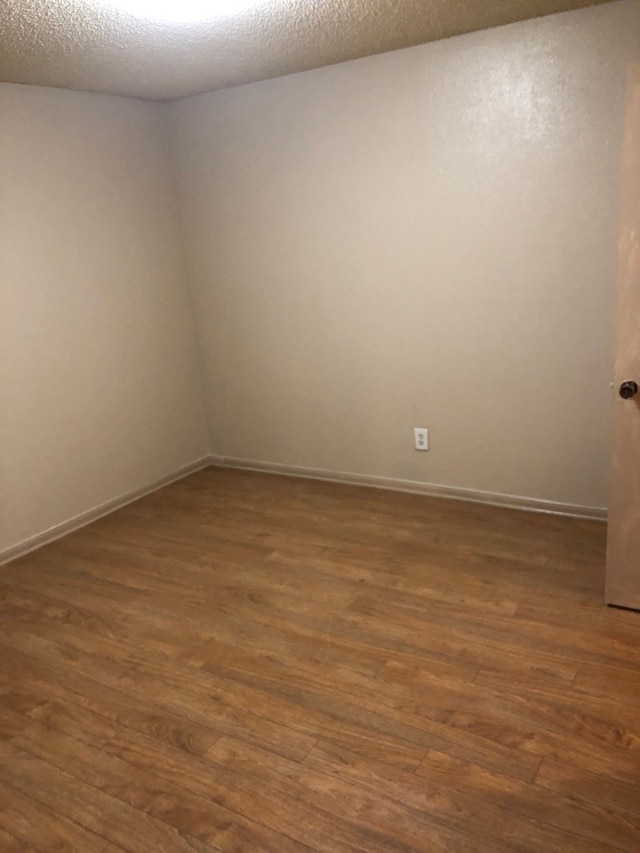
{"type": "Point", "coordinates": [78, 521]}
{"type": "Point", "coordinates": [411, 486]}
{"type": "Point", "coordinates": [415, 487]}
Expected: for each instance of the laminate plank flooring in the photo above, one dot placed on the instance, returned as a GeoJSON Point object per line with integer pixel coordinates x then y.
{"type": "Point", "coordinates": [243, 662]}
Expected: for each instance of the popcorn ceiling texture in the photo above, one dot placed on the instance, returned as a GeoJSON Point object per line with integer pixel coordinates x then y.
{"type": "Point", "coordinates": [84, 44]}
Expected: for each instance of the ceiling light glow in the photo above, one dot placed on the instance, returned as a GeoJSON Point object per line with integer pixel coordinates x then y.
{"type": "Point", "coordinates": [179, 11]}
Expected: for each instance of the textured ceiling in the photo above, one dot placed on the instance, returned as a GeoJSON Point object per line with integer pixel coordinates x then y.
{"type": "Point", "coordinates": [85, 44]}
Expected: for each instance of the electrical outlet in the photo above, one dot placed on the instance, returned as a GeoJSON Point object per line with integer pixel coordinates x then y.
{"type": "Point", "coordinates": [421, 438]}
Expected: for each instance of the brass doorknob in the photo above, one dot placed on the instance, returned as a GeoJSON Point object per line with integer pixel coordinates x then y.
{"type": "Point", "coordinates": [628, 389]}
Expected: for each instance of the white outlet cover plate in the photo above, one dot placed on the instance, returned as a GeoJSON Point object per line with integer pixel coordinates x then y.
{"type": "Point", "coordinates": [421, 438]}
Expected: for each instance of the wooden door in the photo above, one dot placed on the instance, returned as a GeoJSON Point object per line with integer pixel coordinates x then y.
{"type": "Point", "coordinates": [623, 552]}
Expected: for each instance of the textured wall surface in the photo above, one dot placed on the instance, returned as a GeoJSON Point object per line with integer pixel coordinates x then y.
{"type": "Point", "coordinates": [426, 237]}
{"type": "Point", "coordinates": [99, 390]}
{"type": "Point", "coordinates": [100, 46]}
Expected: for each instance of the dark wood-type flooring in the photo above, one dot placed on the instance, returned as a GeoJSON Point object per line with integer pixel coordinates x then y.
{"type": "Point", "coordinates": [245, 662]}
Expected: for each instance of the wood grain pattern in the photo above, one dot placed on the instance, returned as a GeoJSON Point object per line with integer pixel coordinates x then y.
{"type": "Point", "coordinates": [623, 553]}
{"type": "Point", "coordinates": [245, 662]}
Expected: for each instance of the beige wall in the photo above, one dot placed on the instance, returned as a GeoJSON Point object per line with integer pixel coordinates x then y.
{"type": "Point", "coordinates": [99, 390]}
{"type": "Point", "coordinates": [425, 237]}
{"type": "Point", "coordinates": [421, 238]}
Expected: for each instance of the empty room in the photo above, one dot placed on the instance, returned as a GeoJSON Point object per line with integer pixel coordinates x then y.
{"type": "Point", "coordinates": [320, 426]}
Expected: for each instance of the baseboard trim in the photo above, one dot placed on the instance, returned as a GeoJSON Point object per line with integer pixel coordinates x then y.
{"type": "Point", "coordinates": [410, 486]}
{"type": "Point", "coordinates": [415, 487]}
{"type": "Point", "coordinates": [65, 527]}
